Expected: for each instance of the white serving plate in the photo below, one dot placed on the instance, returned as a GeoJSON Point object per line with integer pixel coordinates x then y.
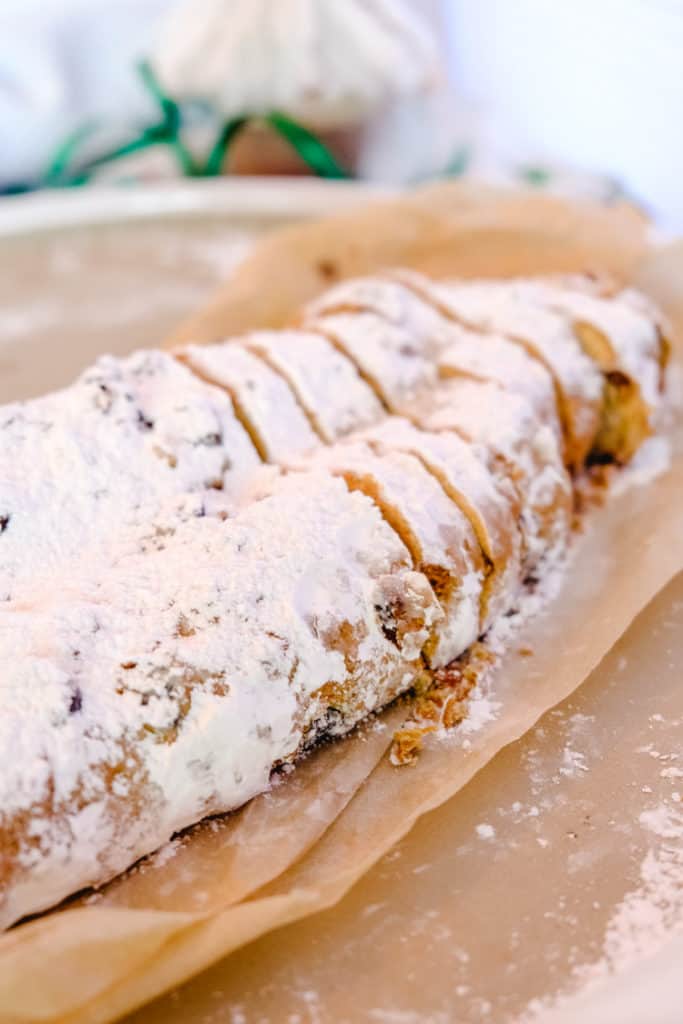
{"type": "Point", "coordinates": [112, 269]}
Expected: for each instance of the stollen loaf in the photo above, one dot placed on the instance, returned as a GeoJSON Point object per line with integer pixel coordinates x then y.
{"type": "Point", "coordinates": [211, 559]}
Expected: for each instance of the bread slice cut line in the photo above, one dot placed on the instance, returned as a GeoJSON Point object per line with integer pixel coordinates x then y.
{"type": "Point", "coordinates": [437, 534]}
{"type": "Point", "coordinates": [264, 397]}
{"type": "Point", "coordinates": [576, 448]}
{"type": "Point", "coordinates": [496, 530]}
{"type": "Point", "coordinates": [523, 455]}
{"type": "Point", "coordinates": [260, 353]}
{"type": "Point", "coordinates": [502, 362]}
{"type": "Point", "coordinates": [380, 444]}
{"type": "Point", "coordinates": [391, 300]}
{"type": "Point", "coordinates": [237, 406]}
{"type": "Point", "coordinates": [394, 367]}
{"type": "Point", "coordinates": [618, 341]}
{"type": "Point", "coordinates": [625, 343]}
{"type": "Point", "coordinates": [369, 379]}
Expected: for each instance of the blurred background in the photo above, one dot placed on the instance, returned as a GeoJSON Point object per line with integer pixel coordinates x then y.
{"type": "Point", "coordinates": [584, 97]}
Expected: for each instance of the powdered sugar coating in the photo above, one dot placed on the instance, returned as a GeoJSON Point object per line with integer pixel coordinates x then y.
{"type": "Point", "coordinates": [76, 465]}
{"type": "Point", "coordinates": [166, 688]}
{"type": "Point", "coordinates": [392, 359]}
{"type": "Point", "coordinates": [262, 397]}
{"type": "Point", "coordinates": [469, 482]}
{"type": "Point", "coordinates": [391, 300]}
{"type": "Point", "coordinates": [483, 354]}
{"type": "Point", "coordinates": [435, 530]}
{"type": "Point", "coordinates": [495, 306]}
{"type": "Point", "coordinates": [492, 357]}
{"type": "Point", "coordinates": [633, 335]}
{"type": "Point", "coordinates": [326, 382]}
{"type": "Point", "coordinates": [524, 450]}
{"type": "Point", "coordinates": [502, 307]}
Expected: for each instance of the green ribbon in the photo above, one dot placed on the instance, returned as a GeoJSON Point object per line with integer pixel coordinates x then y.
{"type": "Point", "coordinates": [57, 170]}
{"type": "Point", "coordinates": [308, 147]}
{"type": "Point", "coordinates": [218, 152]}
{"type": "Point", "coordinates": [537, 177]}
{"type": "Point", "coordinates": [167, 131]}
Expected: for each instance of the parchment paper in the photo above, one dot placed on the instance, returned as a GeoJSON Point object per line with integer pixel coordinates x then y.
{"type": "Point", "coordinates": [457, 229]}
{"type": "Point", "coordinates": [557, 869]}
{"type": "Point", "coordinates": [168, 920]}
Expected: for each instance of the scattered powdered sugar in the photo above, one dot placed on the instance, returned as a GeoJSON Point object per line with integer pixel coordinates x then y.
{"type": "Point", "coordinates": [166, 853]}
{"type": "Point", "coordinates": [530, 603]}
{"type": "Point", "coordinates": [481, 710]}
{"type": "Point", "coordinates": [651, 912]}
{"type": "Point", "coordinates": [24, 321]}
{"type": "Point", "coordinates": [482, 706]}
{"type": "Point", "coordinates": [573, 762]}
{"type": "Point", "coordinates": [646, 919]}
{"type": "Point", "coordinates": [486, 831]}
{"type": "Point", "coordinates": [220, 255]}
{"type": "Point", "coordinates": [387, 1016]}
{"type": "Point", "coordinates": [651, 460]}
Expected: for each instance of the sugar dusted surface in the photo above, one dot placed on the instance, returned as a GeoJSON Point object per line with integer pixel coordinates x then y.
{"type": "Point", "coordinates": [398, 363]}
{"type": "Point", "coordinates": [501, 307]}
{"type": "Point", "coordinates": [506, 425]}
{"type": "Point", "coordinates": [262, 394]}
{"type": "Point", "coordinates": [456, 463]}
{"type": "Point", "coordinates": [162, 663]}
{"type": "Point", "coordinates": [438, 529]}
{"type": "Point", "coordinates": [493, 357]}
{"type": "Point", "coordinates": [77, 465]}
{"type": "Point", "coordinates": [325, 380]}
{"type": "Point", "coordinates": [633, 334]}
{"type": "Point", "coordinates": [394, 302]}
{"type": "Point", "coordinates": [496, 307]}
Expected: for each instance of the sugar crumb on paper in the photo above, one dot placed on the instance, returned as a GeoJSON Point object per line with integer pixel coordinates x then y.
{"type": "Point", "coordinates": [649, 915]}
{"type": "Point", "coordinates": [458, 695]}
